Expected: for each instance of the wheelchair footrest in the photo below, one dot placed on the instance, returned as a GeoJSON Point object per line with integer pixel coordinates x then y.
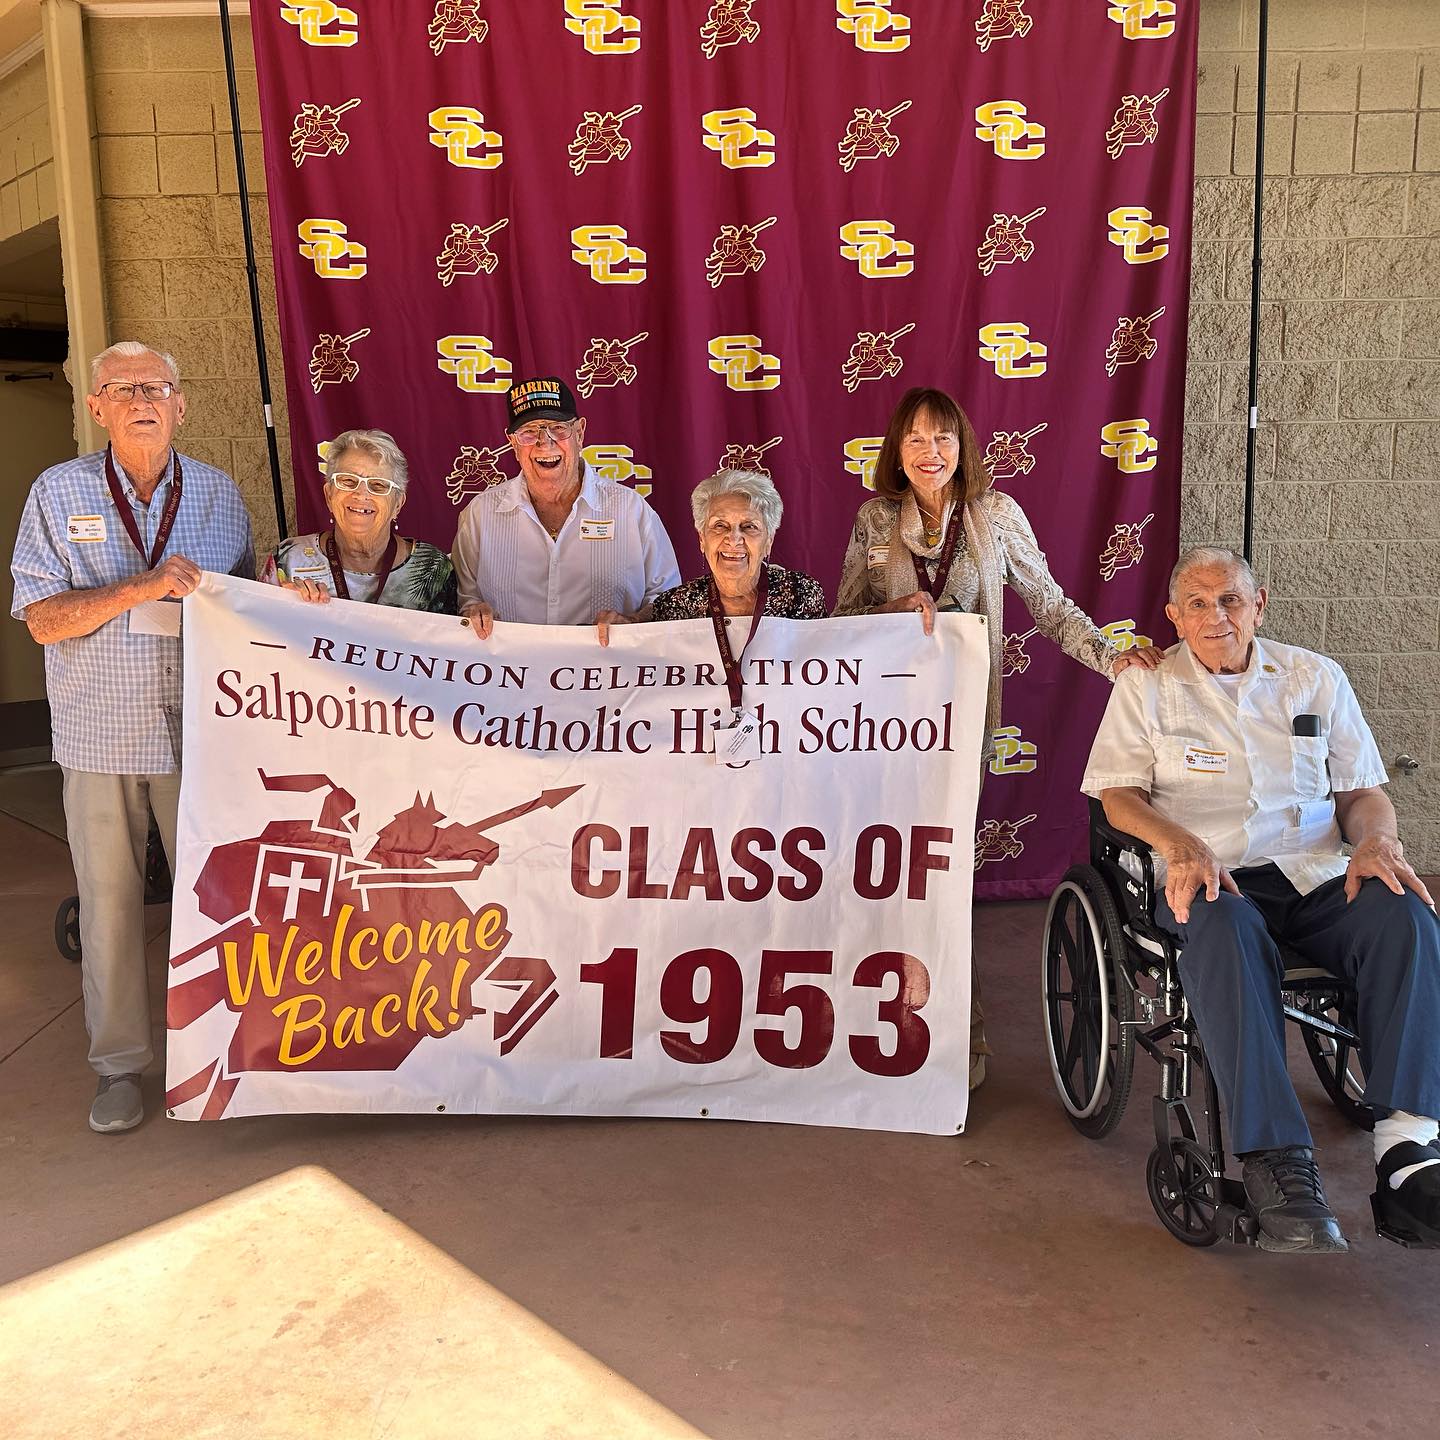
{"type": "Point", "coordinates": [1233, 1220]}
{"type": "Point", "coordinates": [1402, 1231]}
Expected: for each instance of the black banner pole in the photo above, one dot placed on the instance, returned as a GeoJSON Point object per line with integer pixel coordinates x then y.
{"type": "Point", "coordinates": [1254, 410]}
{"type": "Point", "coordinates": [250, 271]}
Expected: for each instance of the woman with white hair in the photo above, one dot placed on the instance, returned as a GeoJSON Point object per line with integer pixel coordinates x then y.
{"type": "Point", "coordinates": [363, 556]}
{"type": "Point", "coordinates": [737, 514]}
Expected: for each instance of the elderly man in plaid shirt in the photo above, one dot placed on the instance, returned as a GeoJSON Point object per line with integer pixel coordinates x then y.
{"type": "Point", "coordinates": [100, 536]}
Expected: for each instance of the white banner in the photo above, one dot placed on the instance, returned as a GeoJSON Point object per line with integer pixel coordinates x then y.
{"type": "Point", "coordinates": [422, 872]}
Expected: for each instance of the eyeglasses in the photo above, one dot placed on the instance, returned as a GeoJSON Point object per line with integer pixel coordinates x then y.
{"type": "Point", "coordinates": [348, 480]}
{"type": "Point", "coordinates": [123, 391]}
{"type": "Point", "coordinates": [529, 435]}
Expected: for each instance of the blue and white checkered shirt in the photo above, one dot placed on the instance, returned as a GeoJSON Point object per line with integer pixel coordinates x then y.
{"type": "Point", "coordinates": [109, 689]}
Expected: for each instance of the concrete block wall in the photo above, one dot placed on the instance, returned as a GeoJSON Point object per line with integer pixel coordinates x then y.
{"type": "Point", "coordinates": [171, 235]}
{"type": "Point", "coordinates": [1347, 521]}
{"type": "Point", "coordinates": [27, 170]}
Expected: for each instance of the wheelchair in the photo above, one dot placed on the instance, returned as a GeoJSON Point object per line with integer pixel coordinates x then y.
{"type": "Point", "coordinates": [1111, 983]}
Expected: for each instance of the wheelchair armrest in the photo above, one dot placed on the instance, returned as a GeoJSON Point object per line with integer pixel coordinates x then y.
{"type": "Point", "coordinates": [1109, 842]}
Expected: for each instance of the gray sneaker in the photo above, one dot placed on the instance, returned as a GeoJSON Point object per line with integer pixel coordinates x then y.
{"type": "Point", "coordinates": [118, 1105]}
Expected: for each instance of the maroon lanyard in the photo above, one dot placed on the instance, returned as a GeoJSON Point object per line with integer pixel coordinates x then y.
{"type": "Point", "coordinates": [947, 556]}
{"type": "Point", "coordinates": [127, 515]}
{"type": "Point", "coordinates": [727, 657]}
{"type": "Point", "coordinates": [337, 570]}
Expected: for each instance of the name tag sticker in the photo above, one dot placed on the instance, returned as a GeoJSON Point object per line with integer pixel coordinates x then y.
{"type": "Point", "coordinates": [1206, 762]}
{"type": "Point", "coordinates": [876, 556]}
{"type": "Point", "coordinates": [85, 529]}
{"type": "Point", "coordinates": [597, 529]}
{"type": "Point", "coordinates": [739, 742]}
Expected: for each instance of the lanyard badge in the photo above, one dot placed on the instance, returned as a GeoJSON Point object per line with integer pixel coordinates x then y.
{"type": "Point", "coordinates": [337, 570]}
{"type": "Point", "coordinates": [127, 515]}
{"type": "Point", "coordinates": [739, 741]}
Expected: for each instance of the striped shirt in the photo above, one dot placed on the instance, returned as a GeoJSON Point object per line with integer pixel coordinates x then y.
{"type": "Point", "coordinates": [612, 553]}
{"type": "Point", "coordinates": [109, 690]}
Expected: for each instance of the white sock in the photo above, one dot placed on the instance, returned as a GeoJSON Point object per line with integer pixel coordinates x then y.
{"type": "Point", "coordinates": [1397, 1127]}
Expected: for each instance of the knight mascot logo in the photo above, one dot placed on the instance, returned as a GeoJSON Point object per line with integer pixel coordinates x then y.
{"type": "Point", "coordinates": [331, 362]}
{"type": "Point", "coordinates": [1002, 123]}
{"type": "Point", "coordinates": [868, 136]}
{"type": "Point", "coordinates": [1123, 549]}
{"type": "Point", "coordinates": [873, 357]}
{"type": "Point", "coordinates": [1132, 341]}
{"type": "Point", "coordinates": [748, 457]}
{"type": "Point", "coordinates": [1014, 657]}
{"type": "Point", "coordinates": [740, 143]}
{"type": "Point", "coordinates": [743, 363]}
{"type": "Point", "coordinates": [604, 26]}
{"type": "Point", "coordinates": [997, 840]}
{"type": "Point", "coordinates": [618, 463]}
{"type": "Point", "coordinates": [1134, 123]}
{"type": "Point", "coordinates": [317, 131]}
{"type": "Point", "coordinates": [1006, 242]}
{"type": "Point", "coordinates": [459, 130]}
{"type": "Point", "coordinates": [325, 245]}
{"type": "Point", "coordinates": [735, 252]}
{"type": "Point", "coordinates": [869, 21]}
{"type": "Point", "coordinates": [1144, 19]}
{"type": "Point", "coordinates": [728, 23]}
{"type": "Point", "coordinates": [872, 245]}
{"type": "Point", "coordinates": [1008, 453]}
{"type": "Point", "coordinates": [861, 453]}
{"type": "Point", "coordinates": [306, 909]}
{"type": "Point", "coordinates": [467, 251]}
{"type": "Point", "coordinates": [1001, 20]}
{"type": "Point", "coordinates": [606, 363]}
{"type": "Point", "coordinates": [475, 469]}
{"type": "Point", "coordinates": [471, 359]}
{"type": "Point", "coordinates": [598, 139]}
{"type": "Point", "coordinates": [1130, 445]}
{"type": "Point", "coordinates": [322, 22]}
{"type": "Point", "coordinates": [1008, 347]}
{"type": "Point", "coordinates": [1014, 755]}
{"type": "Point", "coordinates": [455, 22]}
{"type": "Point", "coordinates": [606, 252]}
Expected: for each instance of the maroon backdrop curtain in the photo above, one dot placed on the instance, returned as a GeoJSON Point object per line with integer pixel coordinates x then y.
{"type": "Point", "coordinates": [745, 229]}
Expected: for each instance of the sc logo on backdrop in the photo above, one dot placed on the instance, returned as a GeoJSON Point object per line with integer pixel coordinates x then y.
{"type": "Point", "coordinates": [867, 21]}
{"type": "Point", "coordinates": [597, 21]}
{"type": "Point", "coordinates": [1008, 347]}
{"type": "Point", "coordinates": [740, 142]}
{"type": "Point", "coordinates": [1134, 17]}
{"type": "Point", "coordinates": [1130, 445]}
{"type": "Point", "coordinates": [606, 251]}
{"type": "Point", "coordinates": [1002, 123]}
{"type": "Point", "coordinates": [738, 357]}
{"type": "Point", "coordinates": [459, 131]}
{"type": "Point", "coordinates": [872, 245]}
{"type": "Point", "coordinates": [861, 454]}
{"type": "Point", "coordinates": [618, 463]}
{"type": "Point", "coordinates": [470, 358]}
{"type": "Point", "coordinates": [325, 245]}
{"type": "Point", "coordinates": [1132, 230]}
{"type": "Point", "coordinates": [315, 17]}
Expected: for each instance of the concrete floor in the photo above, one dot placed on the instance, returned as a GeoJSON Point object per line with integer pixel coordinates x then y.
{"type": "Point", "coordinates": [353, 1276]}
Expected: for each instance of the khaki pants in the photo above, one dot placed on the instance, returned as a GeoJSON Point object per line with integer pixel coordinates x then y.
{"type": "Point", "coordinates": [107, 818]}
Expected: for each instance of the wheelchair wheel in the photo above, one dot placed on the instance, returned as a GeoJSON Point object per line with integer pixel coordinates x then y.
{"type": "Point", "coordinates": [1337, 1063]}
{"type": "Point", "coordinates": [1187, 1208]}
{"type": "Point", "coordinates": [67, 929]}
{"type": "Point", "coordinates": [1088, 1003]}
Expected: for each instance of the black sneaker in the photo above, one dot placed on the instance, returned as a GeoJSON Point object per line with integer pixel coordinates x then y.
{"type": "Point", "coordinates": [1288, 1202]}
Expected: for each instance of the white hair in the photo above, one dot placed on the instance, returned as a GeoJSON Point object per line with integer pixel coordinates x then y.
{"type": "Point", "coordinates": [758, 489]}
{"type": "Point", "coordinates": [130, 350]}
{"type": "Point", "coordinates": [377, 444]}
{"type": "Point", "coordinates": [1208, 555]}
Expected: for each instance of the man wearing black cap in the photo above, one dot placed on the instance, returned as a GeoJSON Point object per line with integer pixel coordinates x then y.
{"type": "Point", "coordinates": [557, 545]}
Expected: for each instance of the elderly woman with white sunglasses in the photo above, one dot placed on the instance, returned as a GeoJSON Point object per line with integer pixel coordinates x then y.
{"type": "Point", "coordinates": [362, 555]}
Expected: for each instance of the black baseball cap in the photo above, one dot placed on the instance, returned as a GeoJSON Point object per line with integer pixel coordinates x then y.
{"type": "Point", "coordinates": [546, 397]}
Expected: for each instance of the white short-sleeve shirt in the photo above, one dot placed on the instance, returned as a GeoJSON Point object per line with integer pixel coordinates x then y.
{"type": "Point", "coordinates": [1221, 758]}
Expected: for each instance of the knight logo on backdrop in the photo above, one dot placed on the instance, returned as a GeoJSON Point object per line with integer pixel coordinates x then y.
{"type": "Point", "coordinates": [475, 469]}
{"type": "Point", "coordinates": [335, 257]}
{"type": "Point", "coordinates": [317, 131]}
{"type": "Point", "coordinates": [1008, 347]}
{"type": "Point", "coordinates": [604, 26]}
{"type": "Point", "coordinates": [1006, 242]}
{"type": "Point", "coordinates": [868, 135]}
{"type": "Point", "coordinates": [748, 457]}
{"type": "Point", "coordinates": [861, 454]}
{"type": "Point", "coordinates": [873, 357]}
{"type": "Point", "coordinates": [739, 357]}
{"type": "Point", "coordinates": [1001, 20]}
{"type": "Point", "coordinates": [1014, 657]}
{"type": "Point", "coordinates": [618, 463]}
{"type": "Point", "coordinates": [606, 363]}
{"type": "Point", "coordinates": [872, 245]}
{"type": "Point", "coordinates": [598, 139]}
{"type": "Point", "coordinates": [1134, 123]}
{"type": "Point", "coordinates": [740, 142]}
{"type": "Point", "coordinates": [1002, 123]}
{"type": "Point", "coordinates": [1123, 549]}
{"type": "Point", "coordinates": [455, 22]}
{"type": "Point", "coordinates": [997, 840]}
{"type": "Point", "coordinates": [467, 251]}
{"type": "Point", "coordinates": [1132, 341]}
{"type": "Point", "coordinates": [471, 359]}
{"type": "Point", "coordinates": [728, 23]}
{"type": "Point", "coordinates": [1008, 453]}
{"type": "Point", "coordinates": [735, 251]}
{"type": "Point", "coordinates": [331, 362]}
{"type": "Point", "coordinates": [1130, 445]}
{"type": "Point", "coordinates": [605, 250]}
{"type": "Point", "coordinates": [1144, 19]}
{"type": "Point", "coordinates": [460, 132]}
{"type": "Point", "coordinates": [1132, 229]}
{"type": "Point", "coordinates": [322, 22]}
{"type": "Point", "coordinates": [875, 26]}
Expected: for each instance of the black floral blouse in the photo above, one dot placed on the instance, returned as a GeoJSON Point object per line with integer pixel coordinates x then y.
{"type": "Point", "coordinates": [792, 595]}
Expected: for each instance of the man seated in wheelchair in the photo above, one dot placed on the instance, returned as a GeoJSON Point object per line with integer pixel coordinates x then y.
{"type": "Point", "coordinates": [1243, 763]}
